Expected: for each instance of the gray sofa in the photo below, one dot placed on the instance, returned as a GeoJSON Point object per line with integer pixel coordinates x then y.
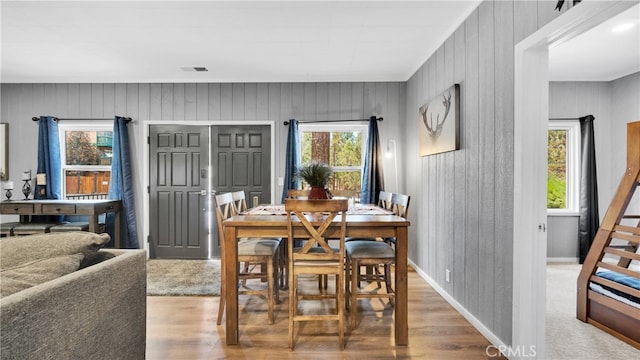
{"type": "Point", "coordinates": [97, 311]}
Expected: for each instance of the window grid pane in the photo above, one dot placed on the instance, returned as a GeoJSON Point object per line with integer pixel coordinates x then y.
{"type": "Point", "coordinates": [88, 147]}
{"type": "Point", "coordinates": [79, 182]}
{"type": "Point", "coordinates": [342, 150]}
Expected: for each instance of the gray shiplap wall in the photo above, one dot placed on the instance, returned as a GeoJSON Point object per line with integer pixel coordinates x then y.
{"type": "Point", "coordinates": [194, 102]}
{"type": "Point", "coordinates": [463, 200]}
{"type": "Point", "coordinates": [613, 104]}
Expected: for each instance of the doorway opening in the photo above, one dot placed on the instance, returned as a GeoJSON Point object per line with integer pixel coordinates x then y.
{"type": "Point", "coordinates": [531, 110]}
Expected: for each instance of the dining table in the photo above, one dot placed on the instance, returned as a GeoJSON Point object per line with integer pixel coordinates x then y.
{"type": "Point", "coordinates": [363, 221]}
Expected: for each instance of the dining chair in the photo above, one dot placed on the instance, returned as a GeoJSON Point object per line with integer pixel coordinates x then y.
{"type": "Point", "coordinates": [310, 219]}
{"type": "Point", "coordinates": [240, 202]}
{"type": "Point", "coordinates": [298, 194]}
{"type": "Point", "coordinates": [253, 250]}
{"type": "Point", "coordinates": [372, 254]}
{"type": "Point", "coordinates": [384, 200]}
{"type": "Point", "coordinates": [399, 204]}
{"type": "Point", "coordinates": [346, 193]}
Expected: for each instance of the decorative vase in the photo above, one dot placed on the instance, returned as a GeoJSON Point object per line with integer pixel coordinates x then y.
{"type": "Point", "coordinates": [317, 193]}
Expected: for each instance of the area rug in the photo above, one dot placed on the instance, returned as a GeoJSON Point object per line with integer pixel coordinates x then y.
{"type": "Point", "coordinates": [183, 277]}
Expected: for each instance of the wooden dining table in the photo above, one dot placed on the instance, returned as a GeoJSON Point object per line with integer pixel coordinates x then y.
{"type": "Point", "coordinates": [366, 221]}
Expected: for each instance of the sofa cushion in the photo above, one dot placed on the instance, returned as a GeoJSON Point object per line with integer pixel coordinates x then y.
{"type": "Point", "coordinates": [20, 250]}
{"type": "Point", "coordinates": [37, 272]}
{"type": "Point", "coordinates": [97, 258]}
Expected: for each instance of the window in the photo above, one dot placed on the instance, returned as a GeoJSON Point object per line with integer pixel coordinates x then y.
{"type": "Point", "coordinates": [340, 146]}
{"type": "Point", "coordinates": [563, 171]}
{"type": "Point", "coordinates": [86, 152]}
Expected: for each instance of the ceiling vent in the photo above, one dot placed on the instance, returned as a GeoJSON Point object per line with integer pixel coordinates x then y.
{"type": "Point", "coordinates": [194, 68]}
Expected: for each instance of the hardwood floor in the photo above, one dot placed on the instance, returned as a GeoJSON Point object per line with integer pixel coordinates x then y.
{"type": "Point", "coordinates": [185, 328]}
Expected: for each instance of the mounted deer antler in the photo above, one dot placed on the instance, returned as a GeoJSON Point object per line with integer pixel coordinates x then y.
{"type": "Point", "coordinates": [428, 122]}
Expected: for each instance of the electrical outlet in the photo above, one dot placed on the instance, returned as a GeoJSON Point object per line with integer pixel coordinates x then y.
{"type": "Point", "coordinates": [280, 181]}
{"type": "Point", "coordinates": [447, 275]}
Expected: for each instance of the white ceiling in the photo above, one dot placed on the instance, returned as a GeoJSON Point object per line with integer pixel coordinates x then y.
{"type": "Point", "coordinates": [238, 41]}
{"type": "Point", "coordinates": [600, 54]}
{"type": "Point", "coordinates": [241, 41]}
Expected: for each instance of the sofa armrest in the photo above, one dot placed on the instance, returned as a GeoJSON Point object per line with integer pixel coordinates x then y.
{"type": "Point", "coordinates": [98, 312]}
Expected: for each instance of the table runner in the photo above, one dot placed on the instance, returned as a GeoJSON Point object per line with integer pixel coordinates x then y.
{"type": "Point", "coordinates": [278, 209]}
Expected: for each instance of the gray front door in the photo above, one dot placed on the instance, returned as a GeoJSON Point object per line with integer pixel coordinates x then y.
{"type": "Point", "coordinates": [241, 160]}
{"type": "Point", "coordinates": [180, 204]}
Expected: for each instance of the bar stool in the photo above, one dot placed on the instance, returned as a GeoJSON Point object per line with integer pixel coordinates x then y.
{"type": "Point", "coordinates": [70, 226]}
{"type": "Point", "coordinates": [32, 228]}
{"type": "Point", "coordinates": [313, 218]}
{"type": "Point", "coordinates": [6, 229]}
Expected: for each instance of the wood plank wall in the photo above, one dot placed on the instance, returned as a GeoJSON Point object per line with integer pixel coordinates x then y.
{"type": "Point", "coordinates": [463, 200]}
{"type": "Point", "coordinates": [194, 102]}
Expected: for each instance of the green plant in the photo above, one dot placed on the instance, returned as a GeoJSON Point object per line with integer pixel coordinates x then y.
{"type": "Point", "coordinates": [315, 174]}
{"type": "Point", "coordinates": [556, 193]}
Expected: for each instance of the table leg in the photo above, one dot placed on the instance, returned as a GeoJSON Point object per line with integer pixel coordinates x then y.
{"type": "Point", "coordinates": [116, 229]}
{"type": "Point", "coordinates": [231, 286]}
{"type": "Point", "coordinates": [93, 223]}
{"type": "Point", "coordinates": [401, 321]}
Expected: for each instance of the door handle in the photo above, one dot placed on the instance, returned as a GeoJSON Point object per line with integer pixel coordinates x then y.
{"type": "Point", "coordinates": [203, 192]}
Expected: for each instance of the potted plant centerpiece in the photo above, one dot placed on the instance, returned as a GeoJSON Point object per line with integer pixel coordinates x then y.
{"type": "Point", "coordinates": [317, 175]}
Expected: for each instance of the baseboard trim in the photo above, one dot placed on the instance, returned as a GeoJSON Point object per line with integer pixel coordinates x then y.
{"type": "Point", "coordinates": [493, 339]}
{"type": "Point", "coordinates": [562, 260]}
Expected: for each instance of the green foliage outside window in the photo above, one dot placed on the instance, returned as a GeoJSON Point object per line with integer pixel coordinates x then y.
{"type": "Point", "coordinates": [557, 170]}
{"type": "Point", "coordinates": [344, 149]}
{"type": "Point", "coordinates": [82, 149]}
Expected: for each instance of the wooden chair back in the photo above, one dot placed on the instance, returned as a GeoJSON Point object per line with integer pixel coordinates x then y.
{"type": "Point", "coordinates": [315, 217]}
{"type": "Point", "coordinates": [384, 200]}
{"type": "Point", "coordinates": [346, 193]}
{"type": "Point", "coordinates": [240, 201]}
{"type": "Point", "coordinates": [298, 194]}
{"type": "Point", "coordinates": [225, 208]}
{"type": "Point", "coordinates": [399, 204]}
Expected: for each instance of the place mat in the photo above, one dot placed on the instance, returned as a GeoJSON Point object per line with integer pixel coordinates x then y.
{"type": "Point", "coordinates": [356, 209]}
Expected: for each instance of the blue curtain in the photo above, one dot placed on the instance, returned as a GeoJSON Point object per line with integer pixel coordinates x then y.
{"type": "Point", "coordinates": [121, 187]}
{"type": "Point", "coordinates": [48, 159]}
{"type": "Point", "coordinates": [372, 174]}
{"type": "Point", "coordinates": [589, 217]}
{"type": "Point", "coordinates": [292, 161]}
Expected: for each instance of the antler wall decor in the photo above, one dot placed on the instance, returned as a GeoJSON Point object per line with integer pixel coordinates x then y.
{"type": "Point", "coordinates": [424, 111]}
{"type": "Point", "coordinates": [439, 121]}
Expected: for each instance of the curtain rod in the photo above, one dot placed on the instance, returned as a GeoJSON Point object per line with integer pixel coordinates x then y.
{"type": "Point", "coordinates": [322, 121]}
{"type": "Point", "coordinates": [574, 118]}
{"type": "Point", "coordinates": [126, 120]}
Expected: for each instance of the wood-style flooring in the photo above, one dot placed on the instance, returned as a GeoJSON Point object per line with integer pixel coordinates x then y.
{"type": "Point", "coordinates": [185, 328]}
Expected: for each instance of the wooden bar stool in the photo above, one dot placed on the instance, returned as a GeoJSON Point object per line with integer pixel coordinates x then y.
{"type": "Point", "coordinates": [311, 219]}
{"type": "Point", "coordinates": [253, 250]}
{"type": "Point", "coordinates": [373, 253]}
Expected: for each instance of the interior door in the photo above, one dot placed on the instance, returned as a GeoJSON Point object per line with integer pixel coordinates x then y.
{"type": "Point", "coordinates": [241, 160]}
{"type": "Point", "coordinates": [179, 203]}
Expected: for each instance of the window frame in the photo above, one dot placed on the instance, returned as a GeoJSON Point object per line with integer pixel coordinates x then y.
{"type": "Point", "coordinates": [573, 165]}
{"type": "Point", "coordinates": [94, 125]}
{"type": "Point", "coordinates": [339, 127]}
